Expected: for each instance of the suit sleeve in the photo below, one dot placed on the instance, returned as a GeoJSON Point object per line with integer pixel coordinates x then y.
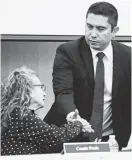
{"type": "Point", "coordinates": [127, 108]}
{"type": "Point", "coordinates": [63, 81]}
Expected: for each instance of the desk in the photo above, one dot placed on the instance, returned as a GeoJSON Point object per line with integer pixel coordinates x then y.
{"type": "Point", "coordinates": [79, 156]}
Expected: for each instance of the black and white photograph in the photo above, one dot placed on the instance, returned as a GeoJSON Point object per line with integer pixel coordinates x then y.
{"type": "Point", "coordinates": [66, 79]}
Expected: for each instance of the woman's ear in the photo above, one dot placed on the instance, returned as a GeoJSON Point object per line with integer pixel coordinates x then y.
{"type": "Point", "coordinates": [31, 93]}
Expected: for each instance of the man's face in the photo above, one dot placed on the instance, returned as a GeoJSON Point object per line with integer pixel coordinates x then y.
{"type": "Point", "coordinates": [98, 32]}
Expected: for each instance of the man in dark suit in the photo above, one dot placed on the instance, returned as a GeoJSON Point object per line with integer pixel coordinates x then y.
{"type": "Point", "coordinates": [75, 69]}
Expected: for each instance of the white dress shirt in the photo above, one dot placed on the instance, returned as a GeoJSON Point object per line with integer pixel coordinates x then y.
{"type": "Point", "coordinates": [108, 77]}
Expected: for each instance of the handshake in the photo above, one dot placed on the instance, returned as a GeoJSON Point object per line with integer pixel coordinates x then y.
{"type": "Point", "coordinates": [74, 116]}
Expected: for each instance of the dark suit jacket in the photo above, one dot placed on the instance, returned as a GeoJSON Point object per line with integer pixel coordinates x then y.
{"type": "Point", "coordinates": [73, 84]}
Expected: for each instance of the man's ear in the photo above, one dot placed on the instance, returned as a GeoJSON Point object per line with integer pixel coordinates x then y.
{"type": "Point", "coordinates": [115, 30]}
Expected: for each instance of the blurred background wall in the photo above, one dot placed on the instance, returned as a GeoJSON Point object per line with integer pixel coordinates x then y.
{"type": "Point", "coordinates": [37, 55]}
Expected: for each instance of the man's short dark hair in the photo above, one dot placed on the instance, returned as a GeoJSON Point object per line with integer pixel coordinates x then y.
{"type": "Point", "coordinates": [105, 9]}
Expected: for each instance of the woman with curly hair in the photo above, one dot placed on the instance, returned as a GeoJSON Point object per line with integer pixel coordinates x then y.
{"type": "Point", "coordinates": [22, 131]}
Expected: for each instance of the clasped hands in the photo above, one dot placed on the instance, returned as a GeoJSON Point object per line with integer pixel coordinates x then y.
{"type": "Point", "coordinates": [74, 116]}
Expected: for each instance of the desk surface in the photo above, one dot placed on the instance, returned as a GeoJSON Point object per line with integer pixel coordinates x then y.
{"type": "Point", "coordinates": [79, 156]}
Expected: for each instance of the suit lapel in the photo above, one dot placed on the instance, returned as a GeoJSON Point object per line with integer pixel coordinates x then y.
{"type": "Point", "coordinates": [87, 60]}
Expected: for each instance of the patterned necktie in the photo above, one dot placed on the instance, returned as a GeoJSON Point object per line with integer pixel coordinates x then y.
{"type": "Point", "coordinates": [98, 100]}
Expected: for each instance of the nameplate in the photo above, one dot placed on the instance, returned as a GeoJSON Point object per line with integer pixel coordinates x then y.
{"type": "Point", "coordinates": [86, 147]}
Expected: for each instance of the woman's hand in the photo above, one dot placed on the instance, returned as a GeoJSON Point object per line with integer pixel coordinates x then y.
{"type": "Point", "coordinates": [74, 116]}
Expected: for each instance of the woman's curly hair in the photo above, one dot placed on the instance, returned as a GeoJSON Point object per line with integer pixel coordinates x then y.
{"type": "Point", "coordinates": [15, 92]}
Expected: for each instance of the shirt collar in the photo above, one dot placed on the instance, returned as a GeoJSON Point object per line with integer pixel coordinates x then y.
{"type": "Point", "coordinates": [107, 51]}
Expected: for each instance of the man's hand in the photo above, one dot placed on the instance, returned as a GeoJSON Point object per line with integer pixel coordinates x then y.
{"type": "Point", "coordinates": [74, 116]}
{"type": "Point", "coordinates": [86, 126]}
